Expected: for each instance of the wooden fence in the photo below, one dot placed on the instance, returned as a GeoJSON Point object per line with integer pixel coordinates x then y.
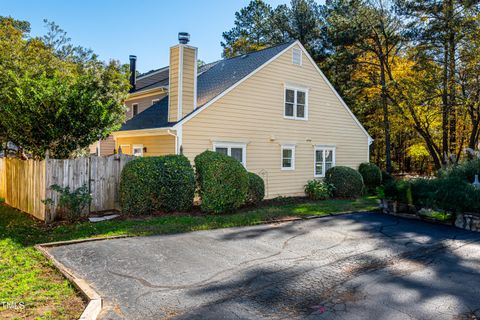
{"type": "Point", "coordinates": [24, 184]}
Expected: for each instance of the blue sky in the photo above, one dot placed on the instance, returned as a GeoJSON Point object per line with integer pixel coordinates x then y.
{"type": "Point", "coordinates": [115, 29]}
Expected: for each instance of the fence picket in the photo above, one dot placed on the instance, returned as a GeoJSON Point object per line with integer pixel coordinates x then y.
{"type": "Point", "coordinates": [24, 184]}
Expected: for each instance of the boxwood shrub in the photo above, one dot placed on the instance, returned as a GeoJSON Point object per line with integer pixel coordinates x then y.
{"type": "Point", "coordinates": [222, 182]}
{"type": "Point", "coordinates": [151, 184]}
{"type": "Point", "coordinates": [371, 174]}
{"type": "Point", "coordinates": [256, 188]}
{"type": "Point", "coordinates": [348, 182]}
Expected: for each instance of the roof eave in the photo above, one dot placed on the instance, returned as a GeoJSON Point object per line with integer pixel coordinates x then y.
{"type": "Point", "coordinates": [142, 132]}
{"type": "Point", "coordinates": [148, 91]}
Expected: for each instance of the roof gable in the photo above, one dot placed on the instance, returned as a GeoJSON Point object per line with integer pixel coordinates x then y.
{"type": "Point", "coordinates": [218, 78]}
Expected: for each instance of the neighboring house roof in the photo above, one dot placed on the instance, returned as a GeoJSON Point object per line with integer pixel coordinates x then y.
{"type": "Point", "coordinates": [159, 78]}
{"type": "Point", "coordinates": [152, 79]}
{"type": "Point", "coordinates": [213, 79]}
{"type": "Point", "coordinates": [154, 117]}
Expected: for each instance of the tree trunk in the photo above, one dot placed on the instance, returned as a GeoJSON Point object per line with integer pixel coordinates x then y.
{"type": "Point", "coordinates": [451, 82]}
{"type": "Point", "coordinates": [445, 109]}
{"type": "Point", "coordinates": [386, 122]}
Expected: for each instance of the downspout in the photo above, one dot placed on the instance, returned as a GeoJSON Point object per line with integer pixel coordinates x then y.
{"type": "Point", "coordinates": [176, 140]}
{"type": "Point", "coordinates": [370, 141]}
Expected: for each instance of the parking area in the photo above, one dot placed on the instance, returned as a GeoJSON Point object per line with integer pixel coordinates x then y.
{"type": "Point", "coordinates": [355, 266]}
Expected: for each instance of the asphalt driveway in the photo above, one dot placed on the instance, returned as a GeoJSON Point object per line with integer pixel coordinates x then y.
{"type": "Point", "coordinates": [358, 266]}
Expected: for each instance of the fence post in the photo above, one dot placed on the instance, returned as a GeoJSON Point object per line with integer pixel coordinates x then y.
{"type": "Point", "coordinates": [47, 210]}
{"type": "Point", "coordinates": [89, 164]}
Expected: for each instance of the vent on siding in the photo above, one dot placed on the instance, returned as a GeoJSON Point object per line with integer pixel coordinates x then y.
{"type": "Point", "coordinates": [297, 56]}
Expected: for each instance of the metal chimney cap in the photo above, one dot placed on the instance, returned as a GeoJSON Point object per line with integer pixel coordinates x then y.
{"type": "Point", "coordinates": [132, 57]}
{"type": "Point", "coordinates": [183, 37]}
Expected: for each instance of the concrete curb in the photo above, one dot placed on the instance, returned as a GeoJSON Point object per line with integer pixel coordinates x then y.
{"type": "Point", "coordinates": [94, 306]}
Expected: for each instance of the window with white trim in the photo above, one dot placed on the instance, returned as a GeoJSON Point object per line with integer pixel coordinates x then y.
{"type": "Point", "coordinates": [288, 157]}
{"type": "Point", "coordinates": [135, 109]}
{"type": "Point", "coordinates": [155, 101]}
{"type": "Point", "coordinates": [297, 56]}
{"type": "Point", "coordinates": [238, 151]}
{"type": "Point", "coordinates": [137, 150]}
{"type": "Point", "coordinates": [324, 160]}
{"type": "Point", "coordinates": [296, 103]}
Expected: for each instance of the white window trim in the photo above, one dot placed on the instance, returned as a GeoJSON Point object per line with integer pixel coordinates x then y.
{"type": "Point", "coordinates": [287, 147]}
{"type": "Point", "coordinates": [323, 147]}
{"type": "Point", "coordinates": [137, 146]}
{"type": "Point", "coordinates": [133, 109]}
{"type": "Point", "coordinates": [295, 89]}
{"type": "Point", "coordinates": [300, 52]}
{"type": "Point", "coordinates": [229, 146]}
{"type": "Point", "coordinates": [155, 101]}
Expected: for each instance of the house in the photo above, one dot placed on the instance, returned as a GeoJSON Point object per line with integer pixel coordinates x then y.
{"type": "Point", "coordinates": [273, 110]}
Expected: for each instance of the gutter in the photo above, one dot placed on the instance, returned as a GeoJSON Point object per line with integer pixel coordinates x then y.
{"type": "Point", "coordinates": [143, 92]}
{"type": "Point", "coordinates": [140, 132]}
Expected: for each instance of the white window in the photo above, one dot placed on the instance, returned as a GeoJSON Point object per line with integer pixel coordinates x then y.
{"type": "Point", "coordinates": [288, 157]}
{"type": "Point", "coordinates": [137, 150]}
{"type": "Point", "coordinates": [155, 101]}
{"type": "Point", "coordinates": [297, 56]}
{"type": "Point", "coordinates": [324, 160]}
{"type": "Point", "coordinates": [237, 151]}
{"type": "Point", "coordinates": [296, 103]}
{"type": "Point", "coordinates": [135, 109]}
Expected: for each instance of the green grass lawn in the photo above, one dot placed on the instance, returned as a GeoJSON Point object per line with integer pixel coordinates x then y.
{"type": "Point", "coordinates": [26, 276]}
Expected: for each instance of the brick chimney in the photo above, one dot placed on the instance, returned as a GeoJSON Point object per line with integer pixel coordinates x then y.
{"type": "Point", "coordinates": [183, 79]}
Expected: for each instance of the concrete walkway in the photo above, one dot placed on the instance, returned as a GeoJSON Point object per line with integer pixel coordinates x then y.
{"type": "Point", "coordinates": [358, 266]}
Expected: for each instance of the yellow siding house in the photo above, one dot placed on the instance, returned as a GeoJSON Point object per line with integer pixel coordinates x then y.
{"type": "Point", "coordinates": [273, 110]}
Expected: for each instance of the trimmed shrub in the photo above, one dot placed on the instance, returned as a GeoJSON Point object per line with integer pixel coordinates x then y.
{"type": "Point", "coordinates": [386, 177]}
{"type": "Point", "coordinates": [424, 192]}
{"type": "Point", "coordinates": [465, 170]}
{"type": "Point", "coordinates": [371, 174]}
{"type": "Point", "coordinates": [222, 182]}
{"type": "Point", "coordinates": [256, 188]}
{"type": "Point", "coordinates": [318, 190]}
{"type": "Point", "coordinates": [398, 190]}
{"type": "Point", "coordinates": [152, 184]}
{"type": "Point", "coordinates": [348, 182]}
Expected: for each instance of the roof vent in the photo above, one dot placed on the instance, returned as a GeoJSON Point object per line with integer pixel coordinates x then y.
{"type": "Point", "coordinates": [183, 37]}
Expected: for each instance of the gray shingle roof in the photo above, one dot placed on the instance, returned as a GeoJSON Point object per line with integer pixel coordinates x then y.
{"type": "Point", "coordinates": [213, 79]}
{"type": "Point", "coordinates": [155, 116]}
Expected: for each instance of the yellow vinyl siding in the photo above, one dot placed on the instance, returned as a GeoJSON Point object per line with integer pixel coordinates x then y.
{"type": "Point", "coordinates": [253, 113]}
{"type": "Point", "coordinates": [189, 65]}
{"type": "Point", "coordinates": [156, 145]}
{"type": "Point", "coordinates": [173, 85]}
{"type": "Point", "coordinates": [107, 147]}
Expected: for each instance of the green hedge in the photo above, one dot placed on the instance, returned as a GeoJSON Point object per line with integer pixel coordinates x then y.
{"type": "Point", "coordinates": [152, 184]}
{"type": "Point", "coordinates": [348, 182]}
{"type": "Point", "coordinates": [398, 190]}
{"type": "Point", "coordinates": [371, 174]}
{"type": "Point", "coordinates": [222, 182]}
{"type": "Point", "coordinates": [256, 188]}
{"type": "Point", "coordinates": [450, 191]}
